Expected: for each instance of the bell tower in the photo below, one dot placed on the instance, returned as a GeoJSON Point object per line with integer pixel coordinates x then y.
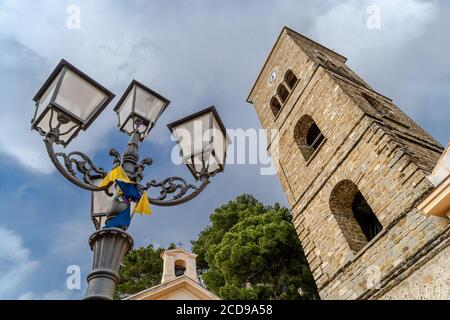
{"type": "Point", "coordinates": [353, 167]}
{"type": "Point", "coordinates": [179, 262]}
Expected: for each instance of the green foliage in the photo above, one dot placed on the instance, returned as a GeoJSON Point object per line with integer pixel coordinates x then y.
{"type": "Point", "coordinates": [141, 269]}
{"type": "Point", "coordinates": [251, 251]}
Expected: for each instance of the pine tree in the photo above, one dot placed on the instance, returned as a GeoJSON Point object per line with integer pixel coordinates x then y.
{"type": "Point", "coordinates": [141, 269]}
{"type": "Point", "coordinates": [251, 251]}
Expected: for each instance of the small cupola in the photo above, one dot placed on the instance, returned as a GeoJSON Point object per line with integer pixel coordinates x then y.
{"type": "Point", "coordinates": [179, 262]}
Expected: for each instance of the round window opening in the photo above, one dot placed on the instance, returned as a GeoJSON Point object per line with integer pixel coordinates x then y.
{"type": "Point", "coordinates": [273, 76]}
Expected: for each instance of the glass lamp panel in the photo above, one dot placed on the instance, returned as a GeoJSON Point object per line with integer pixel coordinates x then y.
{"type": "Point", "coordinates": [126, 108]}
{"type": "Point", "coordinates": [196, 163]}
{"type": "Point", "coordinates": [78, 96]}
{"type": "Point", "coordinates": [190, 135]}
{"type": "Point", "coordinates": [44, 101]}
{"type": "Point", "coordinates": [211, 162]}
{"type": "Point", "coordinates": [203, 141]}
{"type": "Point", "coordinates": [67, 130]}
{"type": "Point", "coordinates": [220, 143]}
{"type": "Point", "coordinates": [101, 202]}
{"type": "Point", "coordinates": [213, 165]}
{"type": "Point", "coordinates": [129, 125]}
{"type": "Point", "coordinates": [211, 150]}
{"type": "Point", "coordinates": [147, 105]}
{"type": "Point", "coordinates": [144, 129]}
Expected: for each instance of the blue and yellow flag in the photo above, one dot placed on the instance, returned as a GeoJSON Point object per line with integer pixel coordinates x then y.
{"type": "Point", "coordinates": [115, 174]}
{"type": "Point", "coordinates": [129, 190]}
{"type": "Point", "coordinates": [143, 206]}
{"type": "Point", "coordinates": [122, 220]}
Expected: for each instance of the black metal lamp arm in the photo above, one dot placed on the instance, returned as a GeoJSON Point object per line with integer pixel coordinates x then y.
{"type": "Point", "coordinates": [83, 164]}
{"type": "Point", "coordinates": [172, 191]}
{"type": "Point", "coordinates": [177, 188]}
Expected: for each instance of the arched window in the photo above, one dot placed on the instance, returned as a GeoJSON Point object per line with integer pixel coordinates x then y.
{"type": "Point", "coordinates": [275, 106]}
{"type": "Point", "coordinates": [314, 137]}
{"type": "Point", "coordinates": [283, 93]}
{"type": "Point", "coordinates": [356, 219]}
{"type": "Point", "coordinates": [290, 79]}
{"type": "Point", "coordinates": [308, 136]}
{"type": "Point", "coordinates": [180, 268]}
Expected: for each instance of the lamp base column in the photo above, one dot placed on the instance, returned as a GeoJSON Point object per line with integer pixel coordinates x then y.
{"type": "Point", "coordinates": [109, 247]}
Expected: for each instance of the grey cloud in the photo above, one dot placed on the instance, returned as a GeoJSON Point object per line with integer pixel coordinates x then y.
{"type": "Point", "coordinates": [199, 53]}
{"type": "Point", "coordinates": [16, 263]}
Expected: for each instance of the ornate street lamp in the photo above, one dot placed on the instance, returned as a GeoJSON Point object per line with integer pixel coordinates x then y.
{"type": "Point", "coordinates": [69, 101]}
{"type": "Point", "coordinates": [203, 142]}
{"type": "Point", "coordinates": [139, 105]}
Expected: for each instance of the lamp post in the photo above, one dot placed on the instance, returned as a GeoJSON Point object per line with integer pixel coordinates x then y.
{"type": "Point", "coordinates": [68, 102]}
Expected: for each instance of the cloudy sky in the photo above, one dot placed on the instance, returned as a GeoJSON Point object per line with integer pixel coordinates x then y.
{"type": "Point", "coordinates": [196, 53]}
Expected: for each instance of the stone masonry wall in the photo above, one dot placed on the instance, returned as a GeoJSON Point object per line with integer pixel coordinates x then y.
{"type": "Point", "coordinates": [430, 281]}
{"type": "Point", "coordinates": [391, 190]}
{"type": "Point", "coordinates": [292, 58]}
{"type": "Point", "coordinates": [368, 141]}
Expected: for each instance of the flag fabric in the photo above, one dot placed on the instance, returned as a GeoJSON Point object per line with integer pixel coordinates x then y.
{"type": "Point", "coordinates": [115, 174]}
{"type": "Point", "coordinates": [130, 193]}
{"type": "Point", "coordinates": [129, 190]}
{"type": "Point", "coordinates": [143, 206]}
{"type": "Point", "coordinates": [122, 220]}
